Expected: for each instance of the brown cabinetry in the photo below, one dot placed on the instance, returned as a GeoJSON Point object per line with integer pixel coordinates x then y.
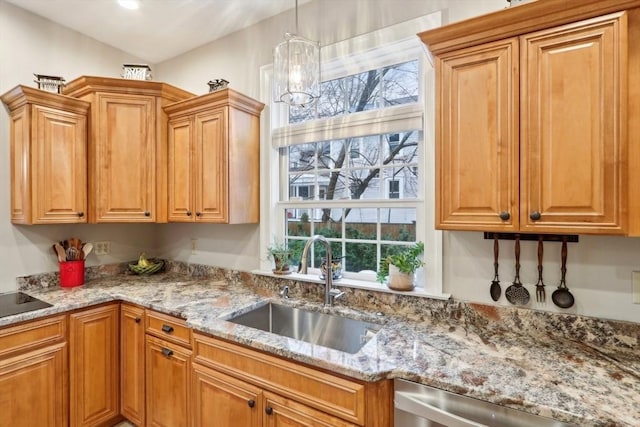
{"type": "Point", "coordinates": [531, 122]}
{"type": "Point", "coordinates": [232, 382]}
{"type": "Point", "coordinates": [94, 365]}
{"type": "Point", "coordinates": [132, 363]}
{"type": "Point", "coordinates": [127, 147]}
{"type": "Point", "coordinates": [48, 159]}
{"type": "Point", "coordinates": [213, 168]}
{"type": "Point", "coordinates": [33, 374]}
{"type": "Point", "coordinates": [168, 371]}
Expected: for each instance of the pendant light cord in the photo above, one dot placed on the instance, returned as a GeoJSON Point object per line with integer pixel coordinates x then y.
{"type": "Point", "coordinates": [297, 17]}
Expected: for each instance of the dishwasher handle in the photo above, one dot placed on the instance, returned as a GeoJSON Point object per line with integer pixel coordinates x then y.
{"type": "Point", "coordinates": [413, 404]}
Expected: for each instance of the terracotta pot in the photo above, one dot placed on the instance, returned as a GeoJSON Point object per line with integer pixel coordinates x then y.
{"type": "Point", "coordinates": [399, 281]}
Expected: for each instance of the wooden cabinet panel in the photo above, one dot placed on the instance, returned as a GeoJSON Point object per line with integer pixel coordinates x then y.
{"type": "Point", "coordinates": [572, 151]}
{"type": "Point", "coordinates": [222, 401]}
{"type": "Point", "coordinates": [94, 365]}
{"type": "Point", "coordinates": [33, 388]}
{"type": "Point", "coordinates": [132, 359]}
{"type": "Point", "coordinates": [168, 384]}
{"type": "Point", "coordinates": [281, 412]}
{"type": "Point", "coordinates": [48, 158]}
{"type": "Point", "coordinates": [180, 176]}
{"type": "Point", "coordinates": [123, 158]}
{"type": "Point", "coordinates": [31, 335]}
{"type": "Point", "coordinates": [168, 328]}
{"type": "Point", "coordinates": [477, 133]}
{"type": "Point", "coordinates": [211, 166]}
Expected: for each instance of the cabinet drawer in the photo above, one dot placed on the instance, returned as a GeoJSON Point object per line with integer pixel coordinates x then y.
{"type": "Point", "coordinates": [30, 335]}
{"type": "Point", "coordinates": [168, 328]}
{"type": "Point", "coordinates": [328, 393]}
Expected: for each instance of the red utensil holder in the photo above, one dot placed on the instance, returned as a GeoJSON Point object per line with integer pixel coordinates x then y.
{"type": "Point", "coordinates": [72, 273]}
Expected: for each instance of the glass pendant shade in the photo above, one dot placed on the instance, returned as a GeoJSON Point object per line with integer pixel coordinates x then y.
{"type": "Point", "coordinates": [296, 63]}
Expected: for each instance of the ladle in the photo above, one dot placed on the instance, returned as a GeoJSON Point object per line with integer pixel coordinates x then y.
{"type": "Point", "coordinates": [562, 297]}
{"type": "Point", "coordinates": [495, 290]}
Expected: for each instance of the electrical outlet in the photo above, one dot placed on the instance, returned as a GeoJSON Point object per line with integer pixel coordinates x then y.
{"type": "Point", "coordinates": [193, 246]}
{"type": "Point", "coordinates": [102, 248]}
{"type": "Point", "coordinates": [635, 280]}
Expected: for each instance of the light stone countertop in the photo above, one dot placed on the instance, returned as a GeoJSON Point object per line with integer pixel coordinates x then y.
{"type": "Point", "coordinates": [578, 370]}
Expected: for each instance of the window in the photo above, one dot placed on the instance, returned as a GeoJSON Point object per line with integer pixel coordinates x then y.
{"type": "Point", "coordinates": [353, 167]}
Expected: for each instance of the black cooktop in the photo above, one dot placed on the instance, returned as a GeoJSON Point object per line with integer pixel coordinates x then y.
{"type": "Point", "coordinates": [19, 302]}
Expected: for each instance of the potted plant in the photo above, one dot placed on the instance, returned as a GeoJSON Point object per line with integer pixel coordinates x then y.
{"type": "Point", "coordinates": [399, 267]}
{"type": "Point", "coordinates": [280, 254]}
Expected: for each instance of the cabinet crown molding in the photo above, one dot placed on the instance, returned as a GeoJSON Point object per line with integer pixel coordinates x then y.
{"type": "Point", "coordinates": [89, 84]}
{"type": "Point", "coordinates": [517, 20]}
{"type": "Point", "coordinates": [219, 98]}
{"type": "Point", "coordinates": [21, 95]}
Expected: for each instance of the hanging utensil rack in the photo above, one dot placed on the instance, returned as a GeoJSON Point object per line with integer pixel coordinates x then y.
{"type": "Point", "coordinates": [571, 238]}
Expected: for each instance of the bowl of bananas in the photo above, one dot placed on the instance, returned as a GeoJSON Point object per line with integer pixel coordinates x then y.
{"type": "Point", "coordinates": [146, 266]}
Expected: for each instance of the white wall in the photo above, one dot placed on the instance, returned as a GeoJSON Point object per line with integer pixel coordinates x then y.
{"type": "Point", "coordinates": [30, 44]}
{"type": "Point", "coordinates": [599, 268]}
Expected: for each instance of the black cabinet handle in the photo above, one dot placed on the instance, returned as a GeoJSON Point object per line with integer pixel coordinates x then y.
{"type": "Point", "coordinates": [138, 319]}
{"type": "Point", "coordinates": [80, 214]}
{"type": "Point", "coordinates": [188, 213]}
{"type": "Point", "coordinates": [504, 215]}
{"type": "Point", "coordinates": [251, 403]}
{"type": "Point", "coordinates": [167, 352]}
{"type": "Point", "coordinates": [535, 215]}
{"type": "Point", "coordinates": [147, 213]}
{"type": "Point", "coordinates": [167, 329]}
{"type": "Point", "coordinates": [268, 410]}
{"type": "Point", "coordinates": [198, 213]}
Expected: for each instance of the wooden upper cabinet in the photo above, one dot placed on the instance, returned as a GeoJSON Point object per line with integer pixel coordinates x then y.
{"type": "Point", "coordinates": [572, 81]}
{"type": "Point", "coordinates": [532, 119]}
{"type": "Point", "coordinates": [214, 156]}
{"type": "Point", "coordinates": [127, 147]}
{"type": "Point", "coordinates": [477, 134]}
{"type": "Point", "coordinates": [48, 158]}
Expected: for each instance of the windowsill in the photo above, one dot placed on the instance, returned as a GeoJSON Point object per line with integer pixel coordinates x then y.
{"type": "Point", "coordinates": [352, 283]}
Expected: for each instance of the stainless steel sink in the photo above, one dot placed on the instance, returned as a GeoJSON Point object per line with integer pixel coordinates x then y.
{"type": "Point", "coordinates": [327, 330]}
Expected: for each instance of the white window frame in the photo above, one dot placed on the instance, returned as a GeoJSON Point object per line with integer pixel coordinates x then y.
{"type": "Point", "coordinates": [400, 36]}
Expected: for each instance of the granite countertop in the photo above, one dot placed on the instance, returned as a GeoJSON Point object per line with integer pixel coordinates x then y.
{"type": "Point", "coordinates": [554, 367]}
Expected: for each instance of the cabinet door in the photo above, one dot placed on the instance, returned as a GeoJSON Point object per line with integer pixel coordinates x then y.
{"type": "Point", "coordinates": [210, 166]}
{"type": "Point", "coordinates": [477, 138]}
{"type": "Point", "coordinates": [282, 412]}
{"type": "Point", "coordinates": [94, 367]}
{"type": "Point", "coordinates": [572, 142]}
{"type": "Point", "coordinates": [180, 171]}
{"type": "Point", "coordinates": [132, 363]}
{"type": "Point", "coordinates": [33, 388]}
{"type": "Point", "coordinates": [168, 384]}
{"type": "Point", "coordinates": [123, 178]}
{"type": "Point", "coordinates": [59, 166]}
{"type": "Point", "coordinates": [223, 401]}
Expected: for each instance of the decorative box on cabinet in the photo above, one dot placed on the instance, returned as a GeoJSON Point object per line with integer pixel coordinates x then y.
{"type": "Point", "coordinates": [214, 156]}
{"type": "Point", "coordinates": [33, 374]}
{"type": "Point", "coordinates": [48, 159]}
{"type": "Point", "coordinates": [127, 147]}
{"type": "Point", "coordinates": [94, 366]}
{"type": "Point", "coordinates": [533, 119]}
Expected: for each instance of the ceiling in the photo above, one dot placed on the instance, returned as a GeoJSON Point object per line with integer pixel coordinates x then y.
{"type": "Point", "coordinates": [159, 29]}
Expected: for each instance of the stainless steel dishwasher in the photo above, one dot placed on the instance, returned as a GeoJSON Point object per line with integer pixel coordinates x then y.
{"type": "Point", "coordinates": [419, 405]}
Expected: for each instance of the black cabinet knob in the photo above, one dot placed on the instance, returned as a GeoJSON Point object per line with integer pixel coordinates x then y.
{"type": "Point", "coordinates": [198, 213]}
{"type": "Point", "coordinates": [535, 215]}
{"type": "Point", "coordinates": [147, 213]}
{"type": "Point", "coordinates": [251, 403]}
{"type": "Point", "coordinates": [188, 213]}
{"type": "Point", "coordinates": [268, 410]}
{"type": "Point", "coordinates": [138, 319]}
{"type": "Point", "coordinates": [167, 329]}
{"type": "Point", "coordinates": [167, 352]}
{"type": "Point", "coordinates": [504, 215]}
{"type": "Point", "coordinates": [80, 214]}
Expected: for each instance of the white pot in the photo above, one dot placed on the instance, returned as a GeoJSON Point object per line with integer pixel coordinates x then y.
{"type": "Point", "coordinates": [399, 281]}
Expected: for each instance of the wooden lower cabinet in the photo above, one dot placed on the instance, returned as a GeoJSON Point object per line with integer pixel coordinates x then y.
{"type": "Point", "coordinates": [94, 366]}
{"type": "Point", "coordinates": [132, 355]}
{"type": "Point", "coordinates": [33, 374]}
{"type": "Point", "coordinates": [168, 383]}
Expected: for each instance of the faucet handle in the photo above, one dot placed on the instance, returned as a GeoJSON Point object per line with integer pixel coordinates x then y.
{"type": "Point", "coordinates": [284, 293]}
{"type": "Point", "coordinates": [335, 293]}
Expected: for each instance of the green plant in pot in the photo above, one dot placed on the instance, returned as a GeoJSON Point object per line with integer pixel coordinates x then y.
{"type": "Point", "coordinates": [400, 267]}
{"type": "Point", "coordinates": [280, 254]}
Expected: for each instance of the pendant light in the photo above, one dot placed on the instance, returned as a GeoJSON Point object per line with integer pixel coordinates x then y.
{"type": "Point", "coordinates": [296, 70]}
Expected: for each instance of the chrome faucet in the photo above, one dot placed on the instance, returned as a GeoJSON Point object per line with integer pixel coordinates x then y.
{"type": "Point", "coordinates": [330, 293]}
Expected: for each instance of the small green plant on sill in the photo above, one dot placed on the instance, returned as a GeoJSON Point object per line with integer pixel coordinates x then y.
{"type": "Point", "coordinates": [407, 261]}
{"type": "Point", "coordinates": [280, 254]}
